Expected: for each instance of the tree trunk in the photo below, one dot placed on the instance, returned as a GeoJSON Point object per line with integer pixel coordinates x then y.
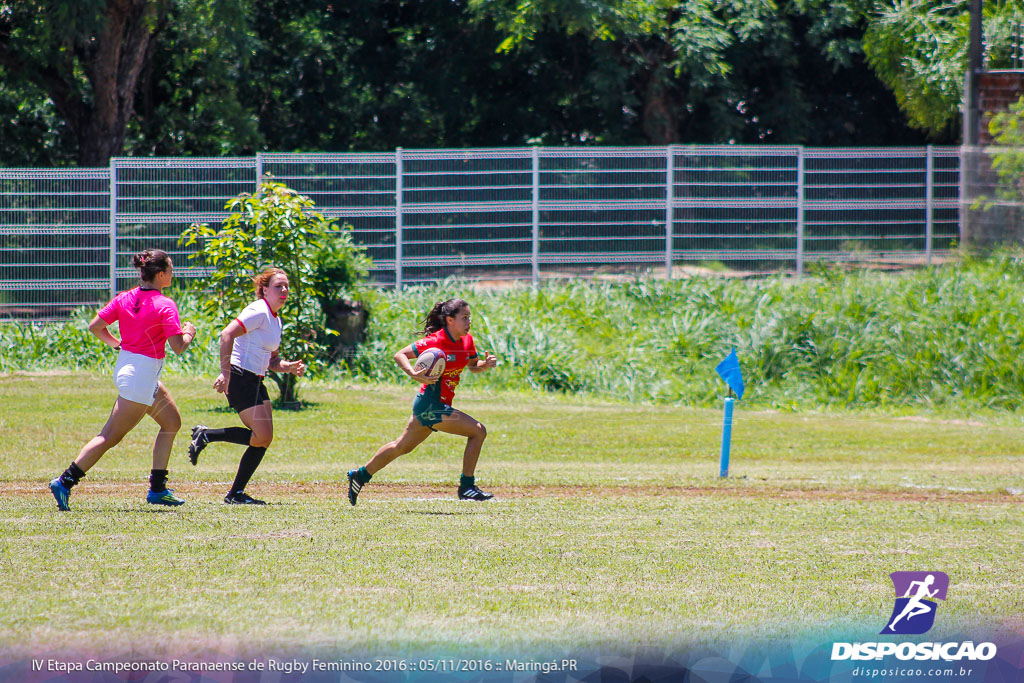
{"type": "Point", "coordinates": [92, 77]}
{"type": "Point", "coordinates": [113, 67]}
{"type": "Point", "coordinates": [348, 319]}
{"type": "Point", "coordinates": [660, 120]}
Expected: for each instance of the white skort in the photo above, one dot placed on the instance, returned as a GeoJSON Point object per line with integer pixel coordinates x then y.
{"type": "Point", "coordinates": [137, 377]}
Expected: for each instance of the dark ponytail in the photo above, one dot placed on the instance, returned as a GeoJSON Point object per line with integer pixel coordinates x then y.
{"type": "Point", "coordinates": [151, 262]}
{"type": "Point", "coordinates": [442, 309]}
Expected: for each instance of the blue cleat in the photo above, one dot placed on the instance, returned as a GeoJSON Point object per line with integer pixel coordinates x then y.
{"type": "Point", "coordinates": [165, 497]}
{"type": "Point", "coordinates": [61, 493]}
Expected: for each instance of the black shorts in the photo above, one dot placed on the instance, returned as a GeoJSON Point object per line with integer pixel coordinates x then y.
{"type": "Point", "coordinates": [246, 390]}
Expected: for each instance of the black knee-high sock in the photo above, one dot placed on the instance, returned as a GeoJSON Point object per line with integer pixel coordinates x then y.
{"type": "Point", "coordinates": [71, 475]}
{"type": "Point", "coordinates": [239, 435]}
{"type": "Point", "coordinates": [250, 461]}
{"type": "Point", "coordinates": [157, 480]}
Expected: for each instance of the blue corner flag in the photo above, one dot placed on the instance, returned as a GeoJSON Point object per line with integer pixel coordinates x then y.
{"type": "Point", "coordinates": [729, 369]}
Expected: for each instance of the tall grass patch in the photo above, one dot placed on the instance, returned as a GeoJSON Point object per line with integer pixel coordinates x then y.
{"type": "Point", "coordinates": [944, 336]}
{"type": "Point", "coordinates": [940, 336]}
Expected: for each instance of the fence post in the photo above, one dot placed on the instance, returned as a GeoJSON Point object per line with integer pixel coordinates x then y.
{"type": "Point", "coordinates": [929, 193]}
{"type": "Point", "coordinates": [398, 218]}
{"type": "Point", "coordinates": [113, 228]}
{"type": "Point", "coordinates": [669, 213]}
{"type": "Point", "coordinates": [964, 160]}
{"type": "Point", "coordinates": [535, 219]}
{"type": "Point", "coordinates": [800, 211]}
{"type": "Point", "coordinates": [259, 169]}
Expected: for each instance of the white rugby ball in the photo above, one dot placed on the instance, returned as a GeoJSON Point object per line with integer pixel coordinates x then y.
{"type": "Point", "coordinates": [433, 360]}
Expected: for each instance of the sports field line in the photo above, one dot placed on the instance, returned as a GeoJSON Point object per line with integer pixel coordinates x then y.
{"type": "Point", "coordinates": [399, 491]}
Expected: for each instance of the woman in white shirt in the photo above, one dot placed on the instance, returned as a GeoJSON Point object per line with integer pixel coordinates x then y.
{"type": "Point", "coordinates": [248, 348]}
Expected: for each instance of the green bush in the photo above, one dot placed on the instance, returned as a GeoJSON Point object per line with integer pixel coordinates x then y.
{"type": "Point", "coordinates": [277, 227]}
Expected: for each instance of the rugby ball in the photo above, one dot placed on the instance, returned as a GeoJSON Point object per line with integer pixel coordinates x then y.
{"type": "Point", "coordinates": [433, 360]}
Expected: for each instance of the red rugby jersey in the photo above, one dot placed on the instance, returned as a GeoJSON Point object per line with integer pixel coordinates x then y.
{"type": "Point", "coordinates": [457, 357]}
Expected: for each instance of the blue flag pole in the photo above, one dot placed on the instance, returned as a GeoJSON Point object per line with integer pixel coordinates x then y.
{"type": "Point", "coordinates": [729, 370]}
{"type": "Point", "coordinates": [723, 461]}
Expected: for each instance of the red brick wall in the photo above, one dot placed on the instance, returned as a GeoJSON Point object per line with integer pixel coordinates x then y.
{"type": "Point", "coordinates": [997, 90]}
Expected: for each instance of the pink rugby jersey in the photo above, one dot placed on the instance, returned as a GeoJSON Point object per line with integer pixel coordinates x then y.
{"type": "Point", "coordinates": [147, 319]}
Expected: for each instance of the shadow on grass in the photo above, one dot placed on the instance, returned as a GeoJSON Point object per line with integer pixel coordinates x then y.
{"type": "Point", "coordinates": [226, 409]}
{"type": "Point", "coordinates": [436, 513]}
{"type": "Point", "coordinates": [290, 407]}
{"type": "Point", "coordinates": [152, 510]}
{"type": "Point", "coordinates": [297, 406]}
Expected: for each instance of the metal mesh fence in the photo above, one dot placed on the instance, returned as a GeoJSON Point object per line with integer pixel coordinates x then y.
{"type": "Point", "coordinates": [992, 196]}
{"type": "Point", "coordinates": [601, 208]}
{"type": "Point", "coordinates": [154, 200]}
{"type": "Point", "coordinates": [503, 214]}
{"type": "Point", "coordinates": [54, 241]}
{"type": "Point", "coordinates": [357, 189]}
{"type": "Point", "coordinates": [875, 204]}
{"type": "Point", "coordinates": [943, 218]}
{"type": "Point", "coordinates": [735, 206]}
{"type": "Point", "coordinates": [465, 213]}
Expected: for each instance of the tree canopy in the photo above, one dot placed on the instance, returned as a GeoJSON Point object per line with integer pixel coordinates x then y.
{"type": "Point", "coordinates": [919, 49]}
{"type": "Point", "coordinates": [84, 80]}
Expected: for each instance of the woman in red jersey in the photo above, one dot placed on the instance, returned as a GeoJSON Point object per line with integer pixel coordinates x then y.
{"type": "Point", "coordinates": [446, 328]}
{"type": "Point", "coordinates": [147, 321]}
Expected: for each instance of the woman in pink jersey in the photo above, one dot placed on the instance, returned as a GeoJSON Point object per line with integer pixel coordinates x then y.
{"type": "Point", "coordinates": [446, 328]}
{"type": "Point", "coordinates": [147, 321]}
{"type": "Point", "coordinates": [248, 348]}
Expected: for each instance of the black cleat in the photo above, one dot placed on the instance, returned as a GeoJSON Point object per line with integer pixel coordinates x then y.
{"type": "Point", "coordinates": [241, 498]}
{"type": "Point", "coordinates": [197, 444]}
{"type": "Point", "coordinates": [354, 486]}
{"type": "Point", "coordinates": [473, 493]}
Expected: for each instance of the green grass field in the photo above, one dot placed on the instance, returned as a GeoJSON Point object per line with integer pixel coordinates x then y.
{"type": "Point", "coordinates": [610, 527]}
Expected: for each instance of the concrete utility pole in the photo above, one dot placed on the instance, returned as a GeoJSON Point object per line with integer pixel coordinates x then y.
{"type": "Point", "coordinates": [974, 65]}
{"type": "Point", "coordinates": [971, 132]}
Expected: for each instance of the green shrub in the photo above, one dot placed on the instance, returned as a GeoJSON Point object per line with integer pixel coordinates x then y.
{"type": "Point", "coordinates": [277, 227]}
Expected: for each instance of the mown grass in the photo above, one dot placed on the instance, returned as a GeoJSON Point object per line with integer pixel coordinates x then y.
{"type": "Point", "coordinates": [611, 528]}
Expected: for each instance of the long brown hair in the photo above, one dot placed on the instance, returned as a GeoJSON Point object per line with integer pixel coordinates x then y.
{"type": "Point", "coordinates": [262, 281]}
{"type": "Point", "coordinates": [435, 320]}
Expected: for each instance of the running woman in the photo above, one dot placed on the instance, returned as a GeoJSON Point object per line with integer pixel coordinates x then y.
{"type": "Point", "coordinates": [446, 328]}
{"type": "Point", "coordinates": [248, 348]}
{"type": "Point", "coordinates": [148, 320]}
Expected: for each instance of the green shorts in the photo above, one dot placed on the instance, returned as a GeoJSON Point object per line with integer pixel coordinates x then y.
{"type": "Point", "coordinates": [428, 409]}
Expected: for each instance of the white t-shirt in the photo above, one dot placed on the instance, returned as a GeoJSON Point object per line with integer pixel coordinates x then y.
{"type": "Point", "coordinates": [262, 336]}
